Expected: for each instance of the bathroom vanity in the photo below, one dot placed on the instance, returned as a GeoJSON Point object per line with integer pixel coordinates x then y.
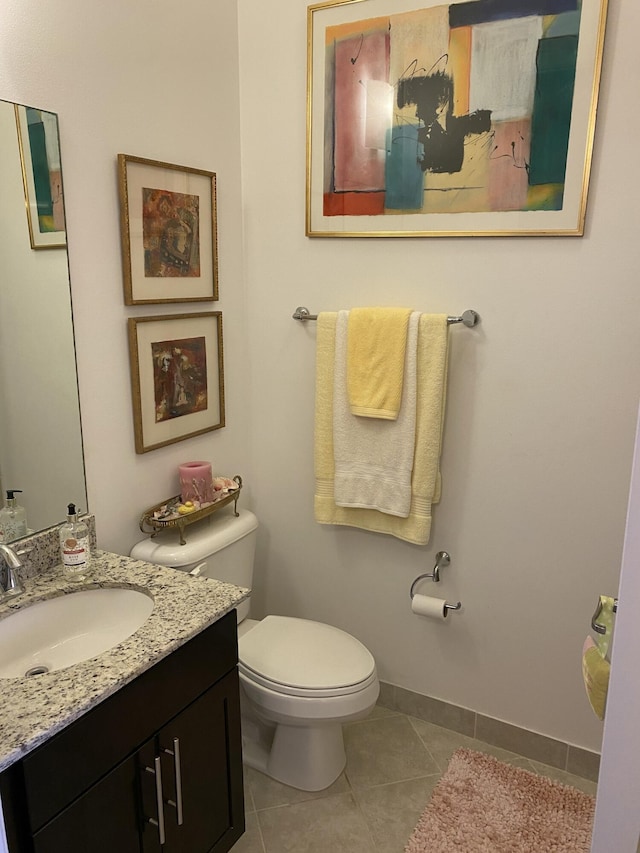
{"type": "Point", "coordinates": [138, 749]}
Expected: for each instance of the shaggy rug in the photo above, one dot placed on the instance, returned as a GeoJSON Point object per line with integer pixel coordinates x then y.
{"type": "Point", "coordinates": [482, 805]}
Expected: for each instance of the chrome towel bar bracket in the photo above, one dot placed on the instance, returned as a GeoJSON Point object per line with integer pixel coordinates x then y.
{"type": "Point", "coordinates": [468, 318]}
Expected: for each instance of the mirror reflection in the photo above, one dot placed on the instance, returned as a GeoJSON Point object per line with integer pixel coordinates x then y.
{"type": "Point", "coordinates": [40, 433]}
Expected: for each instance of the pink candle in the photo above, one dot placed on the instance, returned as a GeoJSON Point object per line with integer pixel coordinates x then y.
{"type": "Point", "coordinates": [196, 482]}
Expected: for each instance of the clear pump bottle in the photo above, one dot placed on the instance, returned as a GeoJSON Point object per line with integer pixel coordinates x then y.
{"type": "Point", "coordinates": [74, 546]}
{"type": "Point", "coordinates": [13, 518]}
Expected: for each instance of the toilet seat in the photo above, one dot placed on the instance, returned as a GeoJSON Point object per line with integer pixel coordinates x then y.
{"type": "Point", "coordinates": [299, 657]}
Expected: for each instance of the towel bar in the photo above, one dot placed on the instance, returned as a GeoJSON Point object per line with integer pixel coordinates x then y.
{"type": "Point", "coordinates": [468, 318]}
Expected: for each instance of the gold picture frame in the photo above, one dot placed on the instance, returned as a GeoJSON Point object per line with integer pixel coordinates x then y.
{"type": "Point", "coordinates": [434, 119]}
{"type": "Point", "coordinates": [177, 377]}
{"type": "Point", "coordinates": [168, 228]}
{"type": "Point", "coordinates": [39, 144]}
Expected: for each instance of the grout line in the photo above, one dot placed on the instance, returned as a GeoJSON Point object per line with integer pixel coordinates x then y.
{"type": "Point", "coordinates": [260, 835]}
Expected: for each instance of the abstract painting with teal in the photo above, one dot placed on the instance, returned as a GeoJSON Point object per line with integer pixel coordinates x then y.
{"type": "Point", "coordinates": [40, 167]}
{"type": "Point", "coordinates": [551, 119]}
{"type": "Point", "coordinates": [403, 175]}
{"type": "Point", "coordinates": [449, 152]}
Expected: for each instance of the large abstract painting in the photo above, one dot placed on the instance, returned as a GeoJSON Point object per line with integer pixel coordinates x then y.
{"type": "Point", "coordinates": [469, 118]}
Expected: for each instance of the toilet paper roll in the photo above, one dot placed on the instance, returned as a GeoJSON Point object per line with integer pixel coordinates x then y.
{"type": "Point", "coordinates": [425, 605]}
{"type": "Point", "coordinates": [196, 482]}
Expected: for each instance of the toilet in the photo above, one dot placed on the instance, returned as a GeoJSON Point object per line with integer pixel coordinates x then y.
{"type": "Point", "coordinates": [300, 680]}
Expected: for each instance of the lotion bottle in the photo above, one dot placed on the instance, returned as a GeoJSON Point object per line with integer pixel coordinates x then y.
{"type": "Point", "coordinates": [74, 546]}
{"type": "Point", "coordinates": [13, 518]}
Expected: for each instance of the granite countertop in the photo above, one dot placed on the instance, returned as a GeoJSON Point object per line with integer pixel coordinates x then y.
{"type": "Point", "coordinates": [33, 709]}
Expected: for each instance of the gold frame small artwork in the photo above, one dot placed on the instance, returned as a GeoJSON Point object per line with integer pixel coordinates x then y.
{"type": "Point", "coordinates": [177, 377]}
{"type": "Point", "coordinates": [168, 228]}
{"type": "Point", "coordinates": [39, 144]}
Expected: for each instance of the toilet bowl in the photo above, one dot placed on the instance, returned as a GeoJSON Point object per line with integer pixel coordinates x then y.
{"type": "Point", "coordinates": [300, 680]}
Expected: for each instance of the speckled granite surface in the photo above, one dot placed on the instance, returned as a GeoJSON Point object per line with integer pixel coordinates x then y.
{"type": "Point", "coordinates": [41, 549]}
{"type": "Point", "coordinates": [33, 709]}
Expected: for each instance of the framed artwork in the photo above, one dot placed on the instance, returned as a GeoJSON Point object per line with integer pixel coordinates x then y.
{"type": "Point", "coordinates": [177, 377]}
{"type": "Point", "coordinates": [427, 118]}
{"type": "Point", "coordinates": [39, 145]}
{"type": "Point", "coordinates": [168, 228]}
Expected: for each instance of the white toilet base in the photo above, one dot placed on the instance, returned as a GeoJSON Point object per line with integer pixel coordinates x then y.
{"type": "Point", "coordinates": [309, 758]}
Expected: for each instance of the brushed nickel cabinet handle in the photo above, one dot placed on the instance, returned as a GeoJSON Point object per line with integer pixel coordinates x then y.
{"type": "Point", "coordinates": [178, 774]}
{"type": "Point", "coordinates": [157, 772]}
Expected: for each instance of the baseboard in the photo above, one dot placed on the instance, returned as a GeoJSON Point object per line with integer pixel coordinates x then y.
{"type": "Point", "coordinates": [537, 747]}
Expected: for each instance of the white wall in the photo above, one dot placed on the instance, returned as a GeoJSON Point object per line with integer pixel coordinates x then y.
{"type": "Point", "coordinates": [542, 396]}
{"type": "Point", "coordinates": [541, 409]}
{"type": "Point", "coordinates": [155, 80]}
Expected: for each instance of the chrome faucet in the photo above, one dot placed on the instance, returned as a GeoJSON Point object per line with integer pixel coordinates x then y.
{"type": "Point", "coordinates": [10, 583]}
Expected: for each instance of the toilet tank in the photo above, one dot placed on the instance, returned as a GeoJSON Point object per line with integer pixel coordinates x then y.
{"type": "Point", "coordinates": [221, 547]}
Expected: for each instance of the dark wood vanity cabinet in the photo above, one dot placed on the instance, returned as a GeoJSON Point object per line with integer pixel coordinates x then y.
{"type": "Point", "coordinates": [156, 767]}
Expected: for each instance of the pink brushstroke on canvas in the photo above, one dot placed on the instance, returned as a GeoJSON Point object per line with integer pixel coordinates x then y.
{"type": "Point", "coordinates": [357, 60]}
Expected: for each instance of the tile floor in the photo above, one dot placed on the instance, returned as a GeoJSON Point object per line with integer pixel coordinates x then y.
{"type": "Point", "coordinates": [393, 763]}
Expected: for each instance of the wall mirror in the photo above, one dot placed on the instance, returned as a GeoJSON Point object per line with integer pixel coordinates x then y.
{"type": "Point", "coordinates": [40, 431]}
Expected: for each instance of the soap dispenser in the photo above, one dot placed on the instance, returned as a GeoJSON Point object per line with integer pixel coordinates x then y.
{"type": "Point", "coordinates": [74, 546]}
{"type": "Point", "coordinates": [13, 518]}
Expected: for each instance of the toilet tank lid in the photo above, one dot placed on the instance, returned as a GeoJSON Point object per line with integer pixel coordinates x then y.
{"type": "Point", "coordinates": [202, 540]}
{"type": "Point", "coordinates": [301, 653]}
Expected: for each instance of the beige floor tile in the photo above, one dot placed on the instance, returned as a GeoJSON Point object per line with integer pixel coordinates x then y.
{"type": "Point", "coordinates": [381, 711]}
{"type": "Point", "coordinates": [385, 750]}
{"type": "Point", "coordinates": [267, 793]}
{"type": "Point", "coordinates": [330, 825]}
{"type": "Point", "coordinates": [251, 841]}
{"type": "Point", "coordinates": [393, 763]}
{"type": "Point", "coordinates": [249, 805]}
{"type": "Point", "coordinates": [442, 743]}
{"type": "Point", "coordinates": [392, 811]}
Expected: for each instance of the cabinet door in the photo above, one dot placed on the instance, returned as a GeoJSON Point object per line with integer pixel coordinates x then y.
{"type": "Point", "coordinates": [103, 820]}
{"type": "Point", "coordinates": [201, 753]}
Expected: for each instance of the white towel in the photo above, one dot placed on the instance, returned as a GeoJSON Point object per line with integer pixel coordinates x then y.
{"type": "Point", "coordinates": [374, 458]}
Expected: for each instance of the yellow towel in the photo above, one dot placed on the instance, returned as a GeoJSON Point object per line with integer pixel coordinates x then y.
{"type": "Point", "coordinates": [425, 480]}
{"type": "Point", "coordinates": [595, 672]}
{"type": "Point", "coordinates": [376, 344]}
{"type": "Point", "coordinates": [605, 618]}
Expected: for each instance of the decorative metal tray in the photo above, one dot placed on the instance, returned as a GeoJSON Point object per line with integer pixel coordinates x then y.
{"type": "Point", "coordinates": [151, 524]}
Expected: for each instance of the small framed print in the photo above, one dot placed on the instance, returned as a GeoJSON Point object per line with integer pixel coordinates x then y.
{"type": "Point", "coordinates": [177, 377]}
{"type": "Point", "coordinates": [39, 146]}
{"type": "Point", "coordinates": [168, 227]}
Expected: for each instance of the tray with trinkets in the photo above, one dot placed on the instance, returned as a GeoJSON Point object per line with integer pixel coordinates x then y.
{"type": "Point", "coordinates": [173, 513]}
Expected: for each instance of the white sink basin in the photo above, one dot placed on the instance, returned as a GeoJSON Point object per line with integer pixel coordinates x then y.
{"type": "Point", "coordinates": [59, 632]}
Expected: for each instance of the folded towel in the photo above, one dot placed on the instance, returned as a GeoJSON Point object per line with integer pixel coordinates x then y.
{"type": "Point", "coordinates": [376, 347]}
{"type": "Point", "coordinates": [373, 458]}
{"type": "Point", "coordinates": [425, 480]}
{"type": "Point", "coordinates": [595, 672]}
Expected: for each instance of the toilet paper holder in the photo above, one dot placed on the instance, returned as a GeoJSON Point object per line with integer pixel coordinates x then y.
{"type": "Point", "coordinates": [443, 559]}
